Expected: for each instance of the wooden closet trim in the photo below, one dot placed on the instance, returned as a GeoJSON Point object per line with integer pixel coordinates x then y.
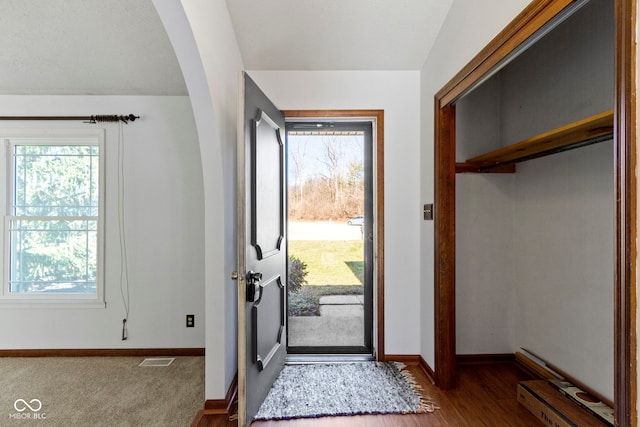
{"type": "Point", "coordinates": [533, 18]}
{"type": "Point", "coordinates": [530, 20]}
{"type": "Point", "coordinates": [625, 152]}
{"type": "Point", "coordinates": [378, 115]}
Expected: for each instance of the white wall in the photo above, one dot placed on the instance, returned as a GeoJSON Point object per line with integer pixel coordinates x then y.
{"type": "Point", "coordinates": [205, 44]}
{"type": "Point", "coordinates": [164, 217]}
{"type": "Point", "coordinates": [397, 93]}
{"type": "Point", "coordinates": [469, 26]}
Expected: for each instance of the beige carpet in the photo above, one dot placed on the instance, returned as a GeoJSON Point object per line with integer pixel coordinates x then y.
{"type": "Point", "coordinates": [97, 391]}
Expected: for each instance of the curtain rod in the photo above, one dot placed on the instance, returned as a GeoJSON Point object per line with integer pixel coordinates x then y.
{"type": "Point", "coordinates": [87, 119]}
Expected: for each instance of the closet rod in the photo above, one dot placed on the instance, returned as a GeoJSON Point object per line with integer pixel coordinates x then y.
{"type": "Point", "coordinates": [87, 119]}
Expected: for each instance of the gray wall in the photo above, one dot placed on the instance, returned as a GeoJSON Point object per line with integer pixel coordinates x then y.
{"type": "Point", "coordinates": [540, 242]}
{"type": "Point", "coordinates": [565, 77]}
{"type": "Point", "coordinates": [484, 239]}
{"type": "Point", "coordinates": [564, 235]}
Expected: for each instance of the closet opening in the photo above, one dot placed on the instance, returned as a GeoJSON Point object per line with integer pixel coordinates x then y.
{"type": "Point", "coordinates": [522, 154]}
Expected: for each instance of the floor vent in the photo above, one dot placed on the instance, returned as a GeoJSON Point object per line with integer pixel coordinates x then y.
{"type": "Point", "coordinates": [157, 361]}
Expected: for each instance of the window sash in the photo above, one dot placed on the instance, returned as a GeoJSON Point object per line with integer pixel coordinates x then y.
{"type": "Point", "coordinates": [52, 255]}
{"type": "Point", "coordinates": [76, 195]}
{"type": "Point", "coordinates": [80, 231]}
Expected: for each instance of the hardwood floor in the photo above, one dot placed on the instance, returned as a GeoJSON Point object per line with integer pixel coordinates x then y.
{"type": "Point", "coordinates": [485, 396]}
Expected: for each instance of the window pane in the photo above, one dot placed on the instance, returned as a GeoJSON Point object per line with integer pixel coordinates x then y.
{"type": "Point", "coordinates": [55, 180]}
{"type": "Point", "coordinates": [54, 256]}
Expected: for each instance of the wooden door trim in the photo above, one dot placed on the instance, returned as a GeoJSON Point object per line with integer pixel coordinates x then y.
{"type": "Point", "coordinates": [378, 115]}
{"type": "Point", "coordinates": [625, 386]}
{"type": "Point", "coordinates": [534, 17]}
{"type": "Point", "coordinates": [445, 250]}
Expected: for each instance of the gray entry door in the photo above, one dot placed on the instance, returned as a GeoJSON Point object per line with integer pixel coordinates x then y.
{"type": "Point", "coordinates": [262, 262]}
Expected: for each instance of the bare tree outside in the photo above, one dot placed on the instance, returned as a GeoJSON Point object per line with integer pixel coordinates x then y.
{"type": "Point", "coordinates": [326, 182]}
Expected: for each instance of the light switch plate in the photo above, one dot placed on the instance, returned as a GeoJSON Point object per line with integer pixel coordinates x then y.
{"type": "Point", "coordinates": [428, 212]}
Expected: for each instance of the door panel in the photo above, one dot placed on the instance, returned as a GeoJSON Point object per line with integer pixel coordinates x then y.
{"type": "Point", "coordinates": [267, 231]}
{"type": "Point", "coordinates": [261, 249]}
{"type": "Point", "coordinates": [268, 324]}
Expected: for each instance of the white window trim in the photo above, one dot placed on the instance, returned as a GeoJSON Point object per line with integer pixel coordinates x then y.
{"type": "Point", "coordinates": [12, 137]}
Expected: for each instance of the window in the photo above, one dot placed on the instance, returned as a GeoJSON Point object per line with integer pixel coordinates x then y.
{"type": "Point", "coordinates": [53, 224]}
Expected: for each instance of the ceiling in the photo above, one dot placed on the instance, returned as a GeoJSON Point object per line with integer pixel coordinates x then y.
{"type": "Point", "coordinates": [336, 34]}
{"type": "Point", "coordinates": [119, 47]}
{"type": "Point", "coordinates": [93, 47]}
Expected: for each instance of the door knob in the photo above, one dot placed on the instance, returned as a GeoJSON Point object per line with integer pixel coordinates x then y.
{"type": "Point", "coordinates": [252, 276]}
{"type": "Point", "coordinates": [253, 286]}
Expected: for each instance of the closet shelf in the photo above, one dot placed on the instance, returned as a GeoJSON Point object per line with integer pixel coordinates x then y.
{"type": "Point", "coordinates": [588, 131]}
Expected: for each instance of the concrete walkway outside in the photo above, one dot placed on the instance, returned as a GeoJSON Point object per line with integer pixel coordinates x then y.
{"type": "Point", "coordinates": [341, 323]}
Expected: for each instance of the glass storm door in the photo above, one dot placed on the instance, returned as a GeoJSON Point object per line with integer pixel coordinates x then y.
{"type": "Point", "coordinates": [330, 236]}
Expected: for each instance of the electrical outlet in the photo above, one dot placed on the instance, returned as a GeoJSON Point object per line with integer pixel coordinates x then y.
{"type": "Point", "coordinates": [191, 320]}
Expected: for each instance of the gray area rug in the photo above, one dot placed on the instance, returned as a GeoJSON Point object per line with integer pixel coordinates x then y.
{"type": "Point", "coordinates": [304, 391]}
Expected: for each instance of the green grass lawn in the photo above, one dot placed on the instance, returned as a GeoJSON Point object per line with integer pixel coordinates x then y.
{"type": "Point", "coordinates": [333, 267]}
{"type": "Point", "coordinates": [330, 262]}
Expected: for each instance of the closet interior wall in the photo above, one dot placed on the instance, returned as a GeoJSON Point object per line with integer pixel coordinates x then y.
{"type": "Point", "coordinates": [535, 249]}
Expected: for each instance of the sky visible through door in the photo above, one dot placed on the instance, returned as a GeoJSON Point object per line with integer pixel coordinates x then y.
{"type": "Point", "coordinates": [326, 206]}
